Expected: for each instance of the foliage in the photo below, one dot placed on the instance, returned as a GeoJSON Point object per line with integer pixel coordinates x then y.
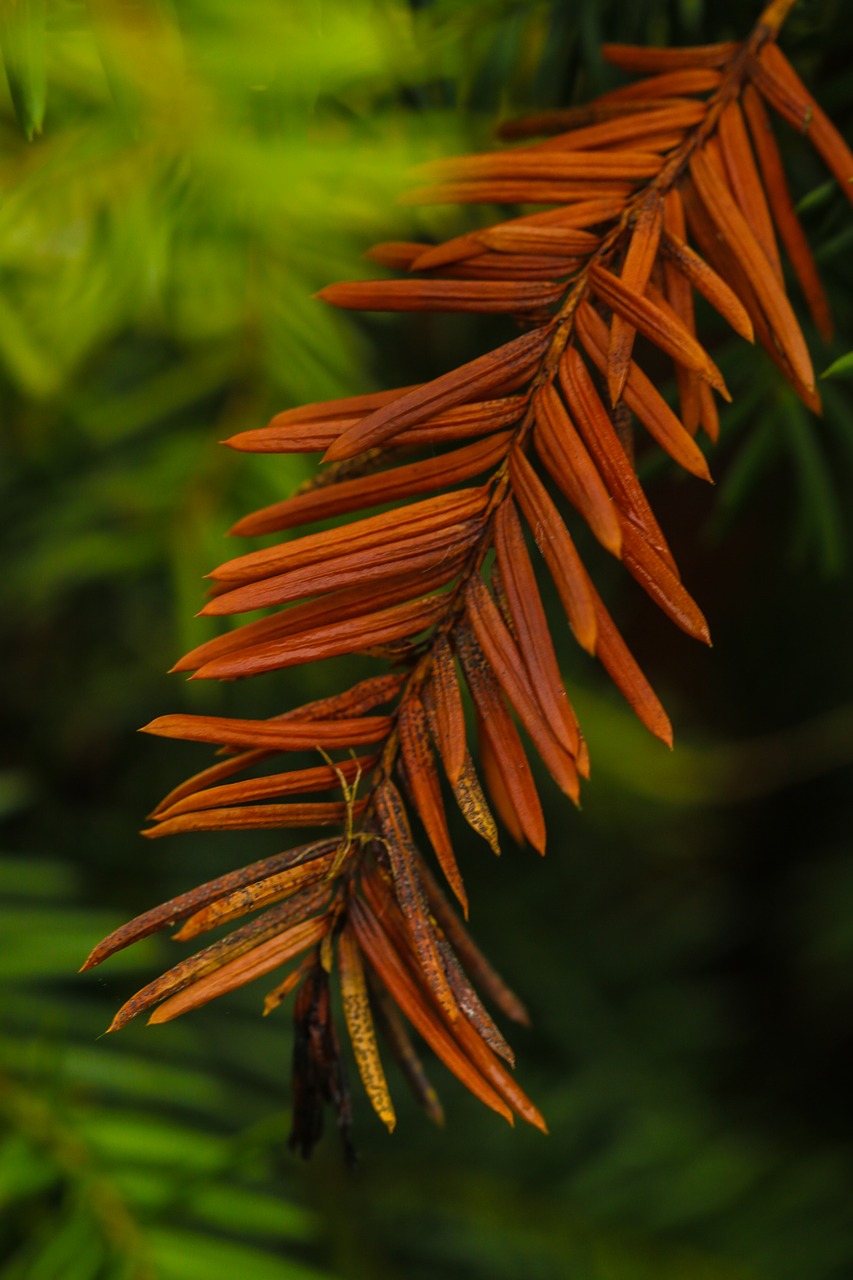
{"type": "Point", "coordinates": [686, 945]}
{"type": "Point", "coordinates": [445, 586]}
{"type": "Point", "coordinates": [97, 1155]}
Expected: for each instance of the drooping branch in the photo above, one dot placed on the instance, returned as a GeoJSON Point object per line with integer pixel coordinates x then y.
{"type": "Point", "coordinates": [668, 186]}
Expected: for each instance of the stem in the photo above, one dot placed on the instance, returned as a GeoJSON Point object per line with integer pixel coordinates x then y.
{"type": "Point", "coordinates": [765, 30]}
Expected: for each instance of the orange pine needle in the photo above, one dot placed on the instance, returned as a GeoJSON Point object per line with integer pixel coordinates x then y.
{"type": "Point", "coordinates": [630, 57]}
{"type": "Point", "coordinates": [558, 550]}
{"type": "Point", "coordinates": [254, 896]}
{"type": "Point", "coordinates": [481, 296]}
{"type": "Point", "coordinates": [636, 272]}
{"type": "Point", "coordinates": [416, 751]}
{"type": "Point", "coordinates": [705, 280]}
{"type": "Point", "coordinates": [360, 1024]}
{"type": "Point", "coordinates": [236, 973]}
{"type": "Point", "coordinates": [661, 187]}
{"type": "Point", "coordinates": [566, 457]}
{"type": "Point", "coordinates": [391, 971]}
{"type": "Point", "coordinates": [497, 726]}
{"type": "Point", "coordinates": [402, 855]}
{"type": "Point", "coordinates": [663, 331]}
{"type": "Point", "coordinates": [446, 701]}
{"type": "Point", "coordinates": [502, 656]}
{"type": "Point", "coordinates": [486, 374]}
{"type": "Point", "coordinates": [534, 638]}
{"type": "Point", "coordinates": [735, 230]}
{"type": "Point", "coordinates": [643, 398]}
{"type": "Point", "coordinates": [596, 427]}
{"type": "Point", "coordinates": [778, 82]}
{"type": "Point", "coordinates": [788, 224]}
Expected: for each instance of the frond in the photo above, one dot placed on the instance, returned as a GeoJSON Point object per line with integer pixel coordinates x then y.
{"type": "Point", "coordinates": [114, 1165]}
{"type": "Point", "coordinates": [668, 187]}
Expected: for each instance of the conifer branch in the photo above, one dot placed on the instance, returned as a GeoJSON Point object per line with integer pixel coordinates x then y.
{"type": "Point", "coordinates": [669, 185]}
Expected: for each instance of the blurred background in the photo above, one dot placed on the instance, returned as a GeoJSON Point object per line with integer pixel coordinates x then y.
{"type": "Point", "coordinates": [177, 181]}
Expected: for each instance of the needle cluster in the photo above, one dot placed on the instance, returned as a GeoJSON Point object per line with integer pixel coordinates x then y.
{"type": "Point", "coordinates": [668, 187]}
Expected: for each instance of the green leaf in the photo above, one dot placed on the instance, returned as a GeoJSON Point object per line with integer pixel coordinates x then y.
{"type": "Point", "coordinates": [842, 367]}
{"type": "Point", "coordinates": [231, 1208]}
{"type": "Point", "coordinates": [24, 1171]}
{"type": "Point", "coordinates": [185, 1255]}
{"type": "Point", "coordinates": [817, 198]}
{"type": "Point", "coordinates": [22, 40]}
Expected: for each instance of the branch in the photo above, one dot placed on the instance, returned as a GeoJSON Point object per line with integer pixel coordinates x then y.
{"type": "Point", "coordinates": [668, 186]}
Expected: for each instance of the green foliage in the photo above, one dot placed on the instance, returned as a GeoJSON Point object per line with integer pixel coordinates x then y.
{"type": "Point", "coordinates": [114, 1165]}
{"type": "Point", "coordinates": [842, 367]}
{"type": "Point", "coordinates": [198, 182]}
{"type": "Point", "coordinates": [686, 943]}
{"type": "Point", "coordinates": [195, 184]}
{"type": "Point", "coordinates": [22, 40]}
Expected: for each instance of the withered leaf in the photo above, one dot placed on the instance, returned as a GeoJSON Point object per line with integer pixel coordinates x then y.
{"type": "Point", "coordinates": [249, 817]}
{"type": "Point", "coordinates": [273, 735]}
{"type": "Point", "coordinates": [623, 670]}
{"type": "Point", "coordinates": [534, 637]}
{"type": "Point", "coordinates": [186, 904]}
{"type": "Point", "coordinates": [663, 331]}
{"type": "Point", "coordinates": [483, 297]}
{"type": "Point", "coordinates": [268, 926]}
{"type": "Point", "coordinates": [499, 795]}
{"type": "Point", "coordinates": [472, 958]}
{"type": "Point", "coordinates": [273, 888]}
{"type": "Point", "coordinates": [262, 639]}
{"type": "Point", "coordinates": [553, 166]}
{"type": "Point", "coordinates": [705, 280]}
{"type": "Point", "coordinates": [509, 671]}
{"type": "Point", "coordinates": [335, 638]}
{"type": "Point", "coordinates": [570, 465]}
{"type": "Point", "coordinates": [668, 84]}
{"type": "Point", "coordinates": [394, 974]}
{"type": "Point", "coordinates": [488, 265]}
{"type": "Point", "coordinates": [379, 488]}
{"type": "Point", "coordinates": [636, 270]}
{"type": "Point", "coordinates": [554, 240]}
{"type": "Point", "coordinates": [497, 725]}
{"type": "Point", "coordinates": [595, 425]}
{"type": "Point", "coordinates": [416, 750]}
{"type": "Point", "coordinates": [524, 191]}
{"type": "Point", "coordinates": [472, 1007]}
{"type": "Point", "coordinates": [554, 541]}
{"type": "Point", "coordinates": [470, 381]}
{"type": "Point", "coordinates": [738, 236]}
{"type": "Point", "coordinates": [745, 184]}
{"type": "Point", "coordinates": [664, 588]}
{"type": "Point", "coordinates": [404, 858]}
{"type": "Point", "coordinates": [779, 83]}
{"type": "Point", "coordinates": [472, 804]}
{"type": "Point", "coordinates": [446, 705]}
{"type": "Point", "coordinates": [244, 968]}
{"type": "Point", "coordinates": [632, 57]}
{"type": "Point", "coordinates": [288, 985]}
{"type": "Point", "coordinates": [631, 124]}
{"type": "Point", "coordinates": [787, 223]}
{"type": "Point", "coordinates": [476, 418]}
{"type": "Point", "coordinates": [359, 1021]}
{"type": "Point", "coordinates": [400, 1042]}
{"type": "Point", "coordinates": [373, 531]}
{"type": "Point", "coordinates": [321, 778]}
{"type": "Point", "coordinates": [643, 399]}
{"type": "Point", "coordinates": [416, 554]}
